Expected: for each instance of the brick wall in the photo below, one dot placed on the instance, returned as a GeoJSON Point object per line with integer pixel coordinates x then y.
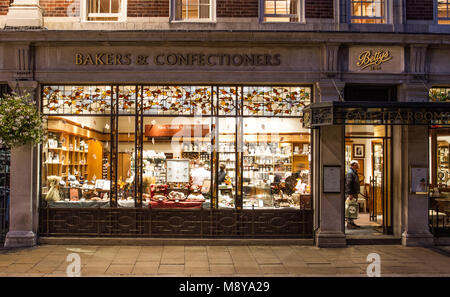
{"type": "Point", "coordinates": [321, 9]}
{"type": "Point", "coordinates": [60, 8]}
{"type": "Point", "coordinates": [419, 9]}
{"type": "Point", "coordinates": [148, 8]}
{"type": "Point", "coordinates": [4, 5]}
{"type": "Point", "coordinates": [237, 8]}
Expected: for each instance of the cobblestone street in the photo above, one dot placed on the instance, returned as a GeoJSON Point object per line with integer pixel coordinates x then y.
{"type": "Point", "coordinates": [228, 261]}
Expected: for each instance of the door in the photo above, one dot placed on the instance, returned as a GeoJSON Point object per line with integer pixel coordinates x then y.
{"type": "Point", "coordinates": [380, 185]}
{"type": "Point", "coordinates": [371, 147]}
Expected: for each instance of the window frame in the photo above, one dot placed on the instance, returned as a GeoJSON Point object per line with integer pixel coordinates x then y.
{"type": "Point", "coordinates": [300, 15]}
{"type": "Point", "coordinates": [387, 14]}
{"type": "Point", "coordinates": [121, 16]}
{"type": "Point", "coordinates": [211, 19]}
{"type": "Point", "coordinates": [436, 13]}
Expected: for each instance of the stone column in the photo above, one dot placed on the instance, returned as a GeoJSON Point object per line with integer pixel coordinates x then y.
{"type": "Point", "coordinates": [331, 205]}
{"type": "Point", "coordinates": [24, 13]}
{"type": "Point", "coordinates": [23, 189]}
{"type": "Point", "coordinates": [416, 230]}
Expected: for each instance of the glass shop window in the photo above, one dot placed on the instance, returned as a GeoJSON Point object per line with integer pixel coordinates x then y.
{"type": "Point", "coordinates": [105, 10]}
{"type": "Point", "coordinates": [368, 11]}
{"type": "Point", "coordinates": [194, 10]}
{"type": "Point", "coordinates": [76, 161]}
{"type": "Point", "coordinates": [281, 10]}
{"type": "Point", "coordinates": [443, 12]}
{"type": "Point", "coordinates": [276, 164]}
{"type": "Point", "coordinates": [176, 168]}
{"type": "Point", "coordinates": [439, 94]}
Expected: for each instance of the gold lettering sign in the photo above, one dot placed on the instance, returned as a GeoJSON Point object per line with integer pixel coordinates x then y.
{"type": "Point", "coordinates": [373, 59]}
{"type": "Point", "coordinates": [398, 117]}
{"type": "Point", "coordinates": [178, 59]}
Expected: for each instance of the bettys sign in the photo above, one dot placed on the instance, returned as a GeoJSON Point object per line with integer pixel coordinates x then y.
{"type": "Point", "coordinates": [376, 59]}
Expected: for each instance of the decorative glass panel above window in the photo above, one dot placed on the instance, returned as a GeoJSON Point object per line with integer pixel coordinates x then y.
{"type": "Point", "coordinates": [443, 12]}
{"type": "Point", "coordinates": [440, 94]}
{"type": "Point", "coordinates": [105, 10]}
{"type": "Point", "coordinates": [281, 10]}
{"type": "Point", "coordinates": [368, 11]}
{"type": "Point", "coordinates": [193, 10]}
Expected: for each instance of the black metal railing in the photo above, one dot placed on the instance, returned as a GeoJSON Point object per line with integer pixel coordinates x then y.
{"type": "Point", "coordinates": [176, 223]}
{"type": "Point", "coordinates": [439, 221]}
{"type": "Point", "coordinates": [5, 157]}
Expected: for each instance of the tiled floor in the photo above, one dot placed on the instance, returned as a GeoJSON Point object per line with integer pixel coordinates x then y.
{"type": "Point", "coordinates": [51, 260]}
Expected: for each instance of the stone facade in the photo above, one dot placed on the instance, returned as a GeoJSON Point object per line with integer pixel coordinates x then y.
{"type": "Point", "coordinates": [314, 53]}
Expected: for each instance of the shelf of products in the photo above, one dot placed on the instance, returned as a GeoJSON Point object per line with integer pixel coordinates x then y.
{"type": "Point", "coordinates": [443, 170]}
{"type": "Point", "coordinates": [66, 155]}
{"type": "Point", "coordinates": [267, 167]}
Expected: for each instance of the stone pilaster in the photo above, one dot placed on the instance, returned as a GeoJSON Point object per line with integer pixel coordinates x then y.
{"type": "Point", "coordinates": [330, 205]}
{"type": "Point", "coordinates": [24, 13]}
{"type": "Point", "coordinates": [23, 176]}
{"type": "Point", "coordinates": [22, 229]}
{"type": "Point", "coordinates": [415, 207]}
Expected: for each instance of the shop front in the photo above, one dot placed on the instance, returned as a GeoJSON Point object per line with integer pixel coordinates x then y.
{"type": "Point", "coordinates": [439, 169]}
{"type": "Point", "coordinates": [176, 161]}
{"type": "Point", "coordinates": [226, 135]}
{"type": "Point", "coordinates": [394, 174]}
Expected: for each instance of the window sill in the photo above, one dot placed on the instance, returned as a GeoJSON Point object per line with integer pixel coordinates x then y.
{"type": "Point", "coordinates": [193, 21]}
{"type": "Point", "coordinates": [101, 22]}
{"type": "Point", "coordinates": [284, 23]}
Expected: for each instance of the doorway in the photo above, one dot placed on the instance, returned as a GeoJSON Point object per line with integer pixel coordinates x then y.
{"type": "Point", "coordinates": [371, 146]}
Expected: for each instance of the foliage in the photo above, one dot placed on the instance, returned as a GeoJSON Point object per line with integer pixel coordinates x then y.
{"type": "Point", "coordinates": [20, 121]}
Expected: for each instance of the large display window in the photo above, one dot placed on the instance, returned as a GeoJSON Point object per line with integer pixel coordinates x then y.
{"type": "Point", "coordinates": [183, 147]}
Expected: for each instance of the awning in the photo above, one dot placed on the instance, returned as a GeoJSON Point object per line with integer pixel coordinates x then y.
{"type": "Point", "coordinates": [376, 113]}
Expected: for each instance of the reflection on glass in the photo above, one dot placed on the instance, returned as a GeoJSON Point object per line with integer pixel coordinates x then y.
{"type": "Point", "coordinates": [368, 11]}
{"type": "Point", "coordinates": [276, 166]}
{"type": "Point", "coordinates": [125, 162]}
{"type": "Point", "coordinates": [192, 9]}
{"type": "Point", "coordinates": [227, 163]}
{"type": "Point", "coordinates": [443, 12]}
{"type": "Point", "coordinates": [281, 11]}
{"type": "Point", "coordinates": [75, 164]}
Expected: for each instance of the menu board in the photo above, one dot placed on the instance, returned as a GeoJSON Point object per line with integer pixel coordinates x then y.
{"type": "Point", "coordinates": [177, 171]}
{"type": "Point", "coordinates": [331, 179]}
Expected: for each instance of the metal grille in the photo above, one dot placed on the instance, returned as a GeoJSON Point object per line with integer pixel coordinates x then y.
{"type": "Point", "coordinates": [5, 157]}
{"type": "Point", "coordinates": [4, 192]}
{"type": "Point", "coordinates": [181, 223]}
{"type": "Point", "coordinates": [438, 219]}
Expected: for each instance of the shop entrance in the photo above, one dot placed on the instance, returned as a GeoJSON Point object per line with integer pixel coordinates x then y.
{"type": "Point", "coordinates": [370, 146]}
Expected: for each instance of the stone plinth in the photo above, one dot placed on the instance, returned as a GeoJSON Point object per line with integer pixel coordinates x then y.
{"type": "Point", "coordinates": [24, 13]}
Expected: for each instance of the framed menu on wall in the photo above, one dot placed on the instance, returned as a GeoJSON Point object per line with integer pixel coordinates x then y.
{"type": "Point", "coordinates": [177, 171]}
{"type": "Point", "coordinates": [331, 179]}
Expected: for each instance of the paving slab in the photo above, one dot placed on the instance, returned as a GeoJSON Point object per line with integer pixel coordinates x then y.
{"type": "Point", "coordinates": [229, 261]}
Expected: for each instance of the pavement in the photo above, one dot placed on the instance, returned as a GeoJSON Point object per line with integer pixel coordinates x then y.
{"type": "Point", "coordinates": [223, 261]}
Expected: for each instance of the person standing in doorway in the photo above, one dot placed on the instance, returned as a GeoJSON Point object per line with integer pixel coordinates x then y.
{"type": "Point", "coordinates": [352, 191]}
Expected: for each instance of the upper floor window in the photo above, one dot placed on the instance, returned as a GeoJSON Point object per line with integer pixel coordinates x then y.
{"type": "Point", "coordinates": [194, 10]}
{"type": "Point", "coordinates": [105, 10]}
{"type": "Point", "coordinates": [281, 10]}
{"type": "Point", "coordinates": [368, 11]}
{"type": "Point", "coordinates": [443, 12]}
